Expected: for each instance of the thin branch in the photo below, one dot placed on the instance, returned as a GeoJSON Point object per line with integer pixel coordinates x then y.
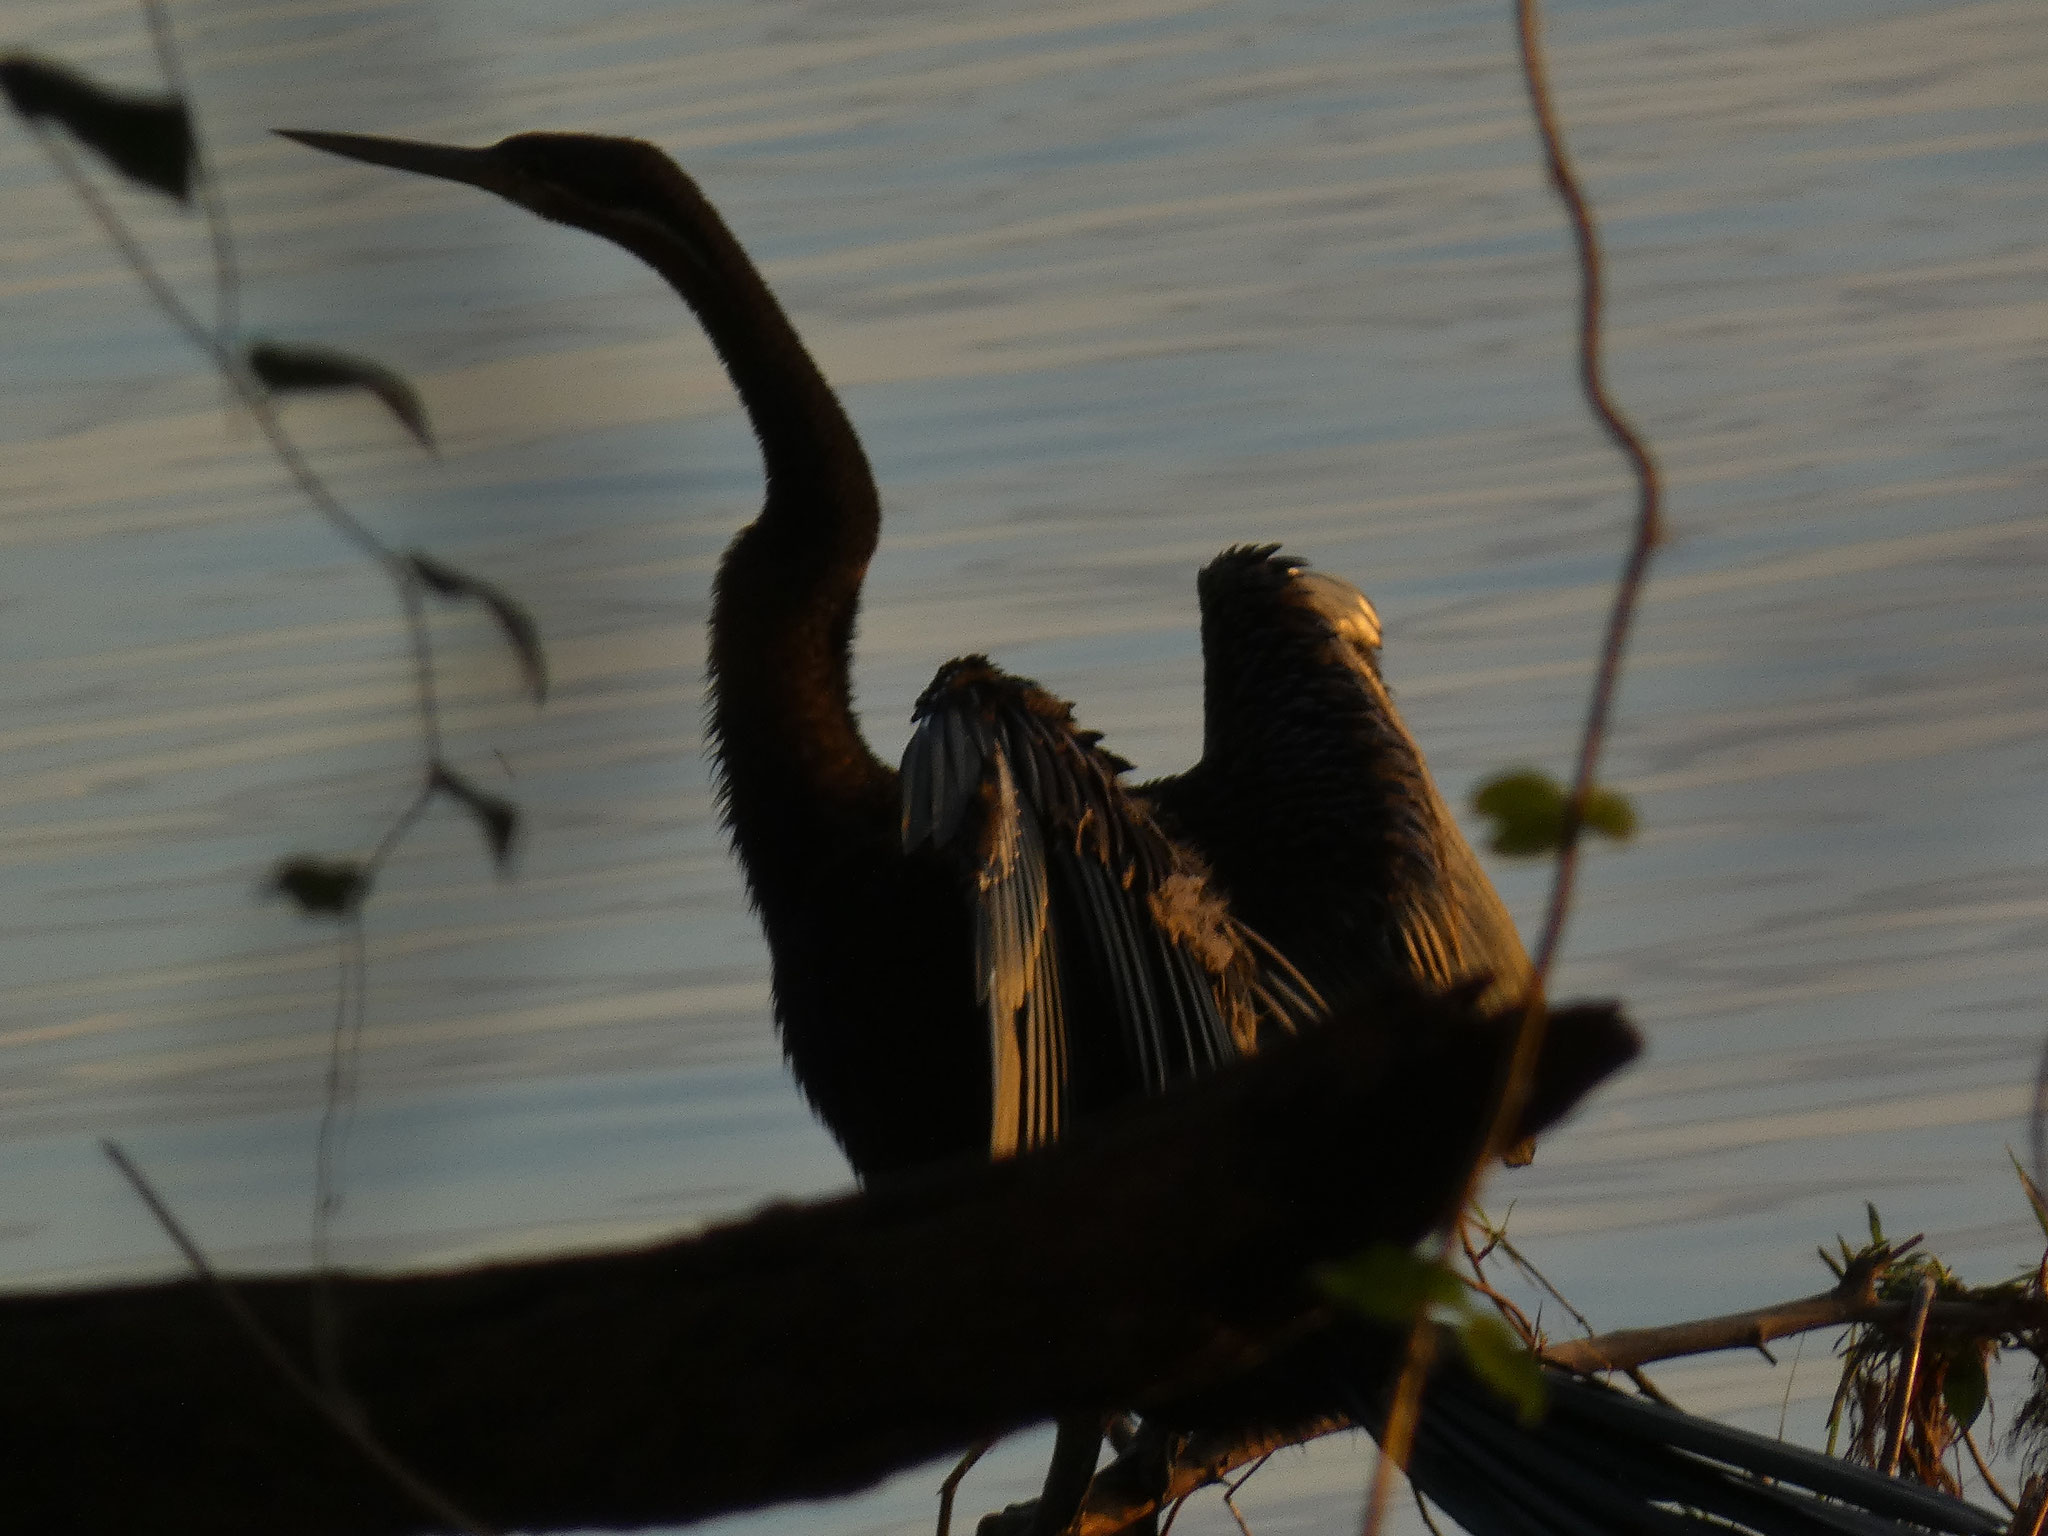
{"type": "Point", "coordinates": [1514, 1088]}
{"type": "Point", "coordinates": [1517, 1319]}
{"type": "Point", "coordinates": [1253, 1471]}
{"type": "Point", "coordinates": [1983, 1471]}
{"type": "Point", "coordinates": [1498, 1238]}
{"type": "Point", "coordinates": [1398, 1438]}
{"type": "Point", "coordinates": [337, 1115]}
{"type": "Point", "coordinates": [1647, 1387]}
{"type": "Point", "coordinates": [2037, 1126]}
{"type": "Point", "coordinates": [1422, 1509]}
{"type": "Point", "coordinates": [344, 1422]}
{"type": "Point", "coordinates": [1791, 1377]}
{"type": "Point", "coordinates": [1628, 1347]}
{"type": "Point", "coordinates": [951, 1486]}
{"type": "Point", "coordinates": [227, 278]}
{"type": "Point", "coordinates": [1923, 1298]}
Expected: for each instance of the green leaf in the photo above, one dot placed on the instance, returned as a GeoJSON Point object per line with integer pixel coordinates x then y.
{"type": "Point", "coordinates": [147, 138]}
{"type": "Point", "coordinates": [498, 818]}
{"type": "Point", "coordinates": [1610, 813]}
{"type": "Point", "coordinates": [1390, 1283]}
{"type": "Point", "coordinates": [2034, 1196]}
{"type": "Point", "coordinates": [321, 887]}
{"type": "Point", "coordinates": [286, 368]}
{"type": "Point", "coordinates": [1498, 1359]}
{"type": "Point", "coordinates": [1964, 1388]}
{"type": "Point", "coordinates": [1876, 1226]}
{"type": "Point", "coordinates": [516, 624]}
{"type": "Point", "coordinates": [1526, 807]}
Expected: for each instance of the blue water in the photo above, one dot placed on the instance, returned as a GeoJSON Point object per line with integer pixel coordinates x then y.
{"type": "Point", "coordinates": [1106, 288]}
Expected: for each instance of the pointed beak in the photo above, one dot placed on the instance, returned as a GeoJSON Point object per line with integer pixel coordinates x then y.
{"type": "Point", "coordinates": [475, 167]}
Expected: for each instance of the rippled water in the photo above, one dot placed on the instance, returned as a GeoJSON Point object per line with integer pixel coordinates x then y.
{"type": "Point", "coordinates": [1106, 287]}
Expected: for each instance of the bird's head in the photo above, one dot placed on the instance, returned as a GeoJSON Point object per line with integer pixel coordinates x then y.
{"type": "Point", "coordinates": [610, 186]}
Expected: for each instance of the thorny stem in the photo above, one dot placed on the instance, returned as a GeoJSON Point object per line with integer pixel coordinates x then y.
{"type": "Point", "coordinates": [1504, 1304]}
{"type": "Point", "coordinates": [345, 1422]}
{"type": "Point", "coordinates": [1514, 1091]}
{"type": "Point", "coordinates": [1497, 1237]}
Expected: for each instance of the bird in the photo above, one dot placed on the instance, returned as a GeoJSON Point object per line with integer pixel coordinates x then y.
{"type": "Point", "coordinates": [1004, 937]}
{"type": "Point", "coordinates": [1305, 859]}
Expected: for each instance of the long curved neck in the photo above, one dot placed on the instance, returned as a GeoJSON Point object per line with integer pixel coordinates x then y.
{"type": "Point", "coordinates": [788, 590]}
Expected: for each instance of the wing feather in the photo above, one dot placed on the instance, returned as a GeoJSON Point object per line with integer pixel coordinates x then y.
{"type": "Point", "coordinates": [1083, 909]}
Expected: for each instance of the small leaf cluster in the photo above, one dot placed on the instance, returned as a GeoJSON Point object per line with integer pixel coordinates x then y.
{"type": "Point", "coordinates": [1527, 808]}
{"type": "Point", "coordinates": [1397, 1286]}
{"type": "Point", "coordinates": [150, 139]}
{"type": "Point", "coordinates": [1949, 1378]}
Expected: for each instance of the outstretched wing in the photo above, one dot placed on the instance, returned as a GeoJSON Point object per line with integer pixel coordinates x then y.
{"type": "Point", "coordinates": [1312, 802]}
{"type": "Point", "coordinates": [1451, 921]}
{"type": "Point", "coordinates": [1105, 963]}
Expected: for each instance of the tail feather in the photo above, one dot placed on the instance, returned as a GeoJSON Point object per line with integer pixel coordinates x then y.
{"type": "Point", "coordinates": [1603, 1463]}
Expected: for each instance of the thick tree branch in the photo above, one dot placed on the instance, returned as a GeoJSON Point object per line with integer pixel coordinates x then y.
{"type": "Point", "coordinates": [809, 1351]}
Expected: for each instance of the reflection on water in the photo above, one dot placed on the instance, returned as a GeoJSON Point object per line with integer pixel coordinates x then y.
{"type": "Point", "coordinates": [1106, 287]}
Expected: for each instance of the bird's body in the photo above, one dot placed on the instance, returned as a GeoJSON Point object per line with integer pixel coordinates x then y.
{"type": "Point", "coordinates": [1310, 819]}
{"type": "Point", "coordinates": [1004, 936]}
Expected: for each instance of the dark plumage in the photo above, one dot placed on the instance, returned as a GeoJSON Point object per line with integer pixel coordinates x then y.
{"type": "Point", "coordinates": [1313, 804]}
{"type": "Point", "coordinates": [1018, 938]}
{"type": "Point", "coordinates": [1310, 808]}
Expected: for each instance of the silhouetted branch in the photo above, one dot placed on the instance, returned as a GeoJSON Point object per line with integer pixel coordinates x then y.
{"type": "Point", "coordinates": [807, 1352]}
{"type": "Point", "coordinates": [1747, 1330]}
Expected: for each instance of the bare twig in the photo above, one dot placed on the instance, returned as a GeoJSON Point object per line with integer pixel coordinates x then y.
{"type": "Point", "coordinates": [1831, 1309]}
{"type": "Point", "coordinates": [1647, 1387]}
{"type": "Point", "coordinates": [227, 281]}
{"type": "Point", "coordinates": [337, 1115]}
{"type": "Point", "coordinates": [951, 1486]}
{"type": "Point", "coordinates": [1791, 1377]}
{"type": "Point", "coordinates": [1517, 1319]}
{"type": "Point", "coordinates": [1497, 1237]}
{"type": "Point", "coordinates": [341, 1419]}
{"type": "Point", "coordinates": [1983, 1471]}
{"type": "Point", "coordinates": [1916, 1331]}
{"type": "Point", "coordinates": [1422, 1509]}
{"type": "Point", "coordinates": [1251, 1472]}
{"type": "Point", "coordinates": [1514, 1088]}
{"type": "Point", "coordinates": [2037, 1126]}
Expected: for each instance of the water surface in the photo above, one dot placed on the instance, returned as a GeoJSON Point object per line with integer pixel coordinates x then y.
{"type": "Point", "coordinates": [1105, 287]}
